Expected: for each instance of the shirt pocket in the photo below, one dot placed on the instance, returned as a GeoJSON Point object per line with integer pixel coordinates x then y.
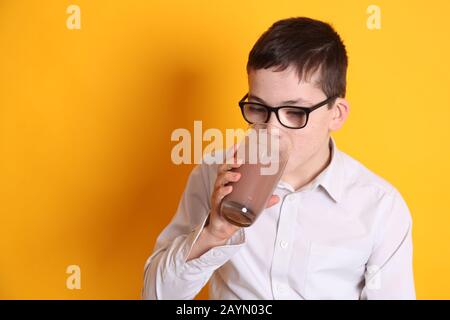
{"type": "Point", "coordinates": [335, 272]}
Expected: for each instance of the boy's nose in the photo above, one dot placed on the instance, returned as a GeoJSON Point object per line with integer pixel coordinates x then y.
{"type": "Point", "coordinates": [273, 120]}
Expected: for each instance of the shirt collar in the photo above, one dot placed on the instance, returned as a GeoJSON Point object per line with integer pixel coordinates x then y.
{"type": "Point", "coordinates": [330, 179]}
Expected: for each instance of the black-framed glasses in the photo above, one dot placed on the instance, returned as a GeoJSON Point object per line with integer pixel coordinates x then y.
{"type": "Point", "coordinates": [292, 117]}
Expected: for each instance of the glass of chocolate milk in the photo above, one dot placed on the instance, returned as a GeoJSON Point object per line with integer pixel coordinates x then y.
{"type": "Point", "coordinates": [264, 153]}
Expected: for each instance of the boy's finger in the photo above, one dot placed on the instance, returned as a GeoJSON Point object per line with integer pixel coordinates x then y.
{"type": "Point", "coordinates": [274, 199]}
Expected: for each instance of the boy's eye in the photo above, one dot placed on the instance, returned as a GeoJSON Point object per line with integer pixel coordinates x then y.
{"type": "Point", "coordinates": [255, 108]}
{"type": "Point", "coordinates": [294, 113]}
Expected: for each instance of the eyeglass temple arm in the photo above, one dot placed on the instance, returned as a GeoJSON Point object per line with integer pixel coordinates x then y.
{"type": "Point", "coordinates": [245, 97]}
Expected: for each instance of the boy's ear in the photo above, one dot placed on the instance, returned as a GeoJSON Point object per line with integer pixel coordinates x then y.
{"type": "Point", "coordinates": [340, 111]}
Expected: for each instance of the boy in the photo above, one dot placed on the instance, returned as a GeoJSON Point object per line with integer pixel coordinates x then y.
{"type": "Point", "coordinates": [332, 229]}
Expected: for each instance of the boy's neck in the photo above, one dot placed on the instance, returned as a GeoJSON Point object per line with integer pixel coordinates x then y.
{"type": "Point", "coordinates": [305, 173]}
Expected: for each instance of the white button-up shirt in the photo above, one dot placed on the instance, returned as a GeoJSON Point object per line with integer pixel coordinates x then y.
{"type": "Point", "coordinates": [345, 235]}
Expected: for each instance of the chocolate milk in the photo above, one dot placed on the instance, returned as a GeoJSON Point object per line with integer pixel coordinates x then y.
{"type": "Point", "coordinates": [250, 194]}
{"type": "Point", "coordinates": [259, 179]}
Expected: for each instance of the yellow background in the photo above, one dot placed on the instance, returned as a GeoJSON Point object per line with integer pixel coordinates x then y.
{"type": "Point", "coordinates": [86, 116]}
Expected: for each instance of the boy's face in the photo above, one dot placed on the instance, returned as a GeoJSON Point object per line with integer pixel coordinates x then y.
{"type": "Point", "coordinates": [274, 88]}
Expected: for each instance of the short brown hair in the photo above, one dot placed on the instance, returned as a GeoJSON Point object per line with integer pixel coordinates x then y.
{"type": "Point", "coordinates": [308, 45]}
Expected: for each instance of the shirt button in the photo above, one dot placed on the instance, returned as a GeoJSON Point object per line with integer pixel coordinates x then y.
{"type": "Point", "coordinates": [283, 244]}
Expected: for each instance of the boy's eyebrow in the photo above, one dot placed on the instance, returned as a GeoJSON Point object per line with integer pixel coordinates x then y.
{"type": "Point", "coordinates": [288, 102]}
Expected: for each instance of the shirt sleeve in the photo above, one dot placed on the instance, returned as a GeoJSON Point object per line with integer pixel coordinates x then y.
{"type": "Point", "coordinates": [167, 273]}
{"type": "Point", "coordinates": [389, 271]}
